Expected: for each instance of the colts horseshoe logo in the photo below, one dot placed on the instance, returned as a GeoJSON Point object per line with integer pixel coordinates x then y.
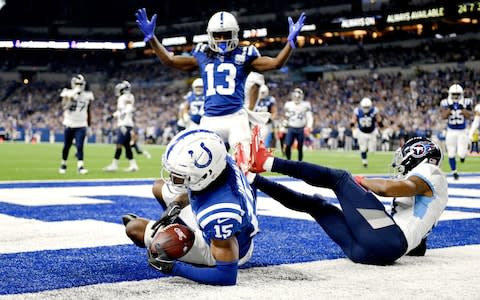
{"type": "Point", "coordinates": [195, 161]}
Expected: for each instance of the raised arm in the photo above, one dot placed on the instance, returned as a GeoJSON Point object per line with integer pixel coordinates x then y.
{"type": "Point", "coordinates": [265, 63]}
{"type": "Point", "coordinates": [185, 63]}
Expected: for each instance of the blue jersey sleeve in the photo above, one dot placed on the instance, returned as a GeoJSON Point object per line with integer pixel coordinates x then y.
{"type": "Point", "coordinates": [222, 224]}
{"type": "Point", "coordinates": [224, 273]}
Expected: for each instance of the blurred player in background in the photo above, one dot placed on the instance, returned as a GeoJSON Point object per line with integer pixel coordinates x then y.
{"type": "Point", "coordinates": [125, 124]}
{"type": "Point", "coordinates": [220, 208]}
{"type": "Point", "coordinates": [134, 145]}
{"type": "Point", "coordinates": [457, 110]}
{"type": "Point", "coordinates": [224, 66]}
{"type": "Point", "coordinates": [298, 113]}
{"type": "Point", "coordinates": [194, 102]}
{"type": "Point", "coordinates": [474, 129]}
{"type": "Point", "coordinates": [365, 231]}
{"type": "Point", "coordinates": [365, 118]}
{"type": "Point", "coordinates": [267, 103]}
{"type": "Point", "coordinates": [252, 89]}
{"type": "Point", "coordinates": [76, 118]}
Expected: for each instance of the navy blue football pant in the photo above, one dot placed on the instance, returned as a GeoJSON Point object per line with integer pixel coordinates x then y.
{"type": "Point", "coordinates": [292, 135]}
{"type": "Point", "coordinates": [124, 135]}
{"type": "Point", "coordinates": [347, 227]}
{"type": "Point", "coordinates": [79, 135]}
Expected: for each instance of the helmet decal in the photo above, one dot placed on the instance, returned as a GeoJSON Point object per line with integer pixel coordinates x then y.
{"type": "Point", "coordinates": [415, 151]}
{"type": "Point", "coordinates": [418, 150]}
{"type": "Point", "coordinates": [195, 160]}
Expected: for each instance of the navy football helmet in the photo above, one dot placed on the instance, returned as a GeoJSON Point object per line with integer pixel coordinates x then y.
{"type": "Point", "coordinates": [415, 151]}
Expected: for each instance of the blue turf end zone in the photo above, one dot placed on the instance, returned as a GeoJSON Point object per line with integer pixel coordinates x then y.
{"type": "Point", "coordinates": [280, 241]}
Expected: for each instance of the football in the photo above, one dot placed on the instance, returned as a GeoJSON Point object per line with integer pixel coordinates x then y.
{"type": "Point", "coordinates": [175, 240]}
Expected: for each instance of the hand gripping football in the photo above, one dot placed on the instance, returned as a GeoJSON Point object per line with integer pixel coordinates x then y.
{"type": "Point", "coordinates": [175, 240]}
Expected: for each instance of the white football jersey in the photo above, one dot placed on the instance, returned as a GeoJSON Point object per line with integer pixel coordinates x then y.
{"type": "Point", "coordinates": [75, 113]}
{"type": "Point", "coordinates": [417, 215]}
{"type": "Point", "coordinates": [125, 110]}
{"type": "Point", "coordinates": [299, 114]}
{"type": "Point", "coordinates": [252, 79]}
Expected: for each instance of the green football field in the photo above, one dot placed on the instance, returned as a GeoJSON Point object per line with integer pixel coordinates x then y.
{"type": "Point", "coordinates": [20, 161]}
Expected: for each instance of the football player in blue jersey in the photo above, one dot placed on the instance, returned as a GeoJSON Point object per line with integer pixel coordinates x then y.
{"type": "Point", "coordinates": [363, 228]}
{"type": "Point", "coordinates": [457, 110]}
{"type": "Point", "coordinates": [195, 100]}
{"type": "Point", "coordinates": [206, 191]}
{"type": "Point", "coordinates": [224, 67]}
{"type": "Point", "coordinates": [365, 118]}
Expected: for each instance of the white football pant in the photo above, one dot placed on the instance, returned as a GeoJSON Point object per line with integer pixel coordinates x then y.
{"type": "Point", "coordinates": [456, 141]}
{"type": "Point", "coordinates": [367, 141]}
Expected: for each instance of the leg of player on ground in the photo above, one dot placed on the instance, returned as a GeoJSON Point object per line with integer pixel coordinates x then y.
{"type": "Point", "coordinates": [371, 226]}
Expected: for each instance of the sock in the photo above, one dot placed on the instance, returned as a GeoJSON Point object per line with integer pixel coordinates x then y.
{"type": "Point", "coordinates": [133, 163]}
{"type": "Point", "coordinates": [64, 162]}
{"type": "Point", "coordinates": [453, 163]}
{"type": "Point", "coordinates": [115, 163]}
{"type": "Point", "coordinates": [251, 177]}
{"type": "Point", "coordinates": [267, 165]}
{"type": "Point", "coordinates": [80, 164]}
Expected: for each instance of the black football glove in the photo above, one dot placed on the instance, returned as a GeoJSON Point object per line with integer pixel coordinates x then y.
{"type": "Point", "coordinates": [160, 260]}
{"type": "Point", "coordinates": [167, 218]}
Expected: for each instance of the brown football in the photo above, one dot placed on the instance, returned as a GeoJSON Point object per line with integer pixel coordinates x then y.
{"type": "Point", "coordinates": [175, 240]}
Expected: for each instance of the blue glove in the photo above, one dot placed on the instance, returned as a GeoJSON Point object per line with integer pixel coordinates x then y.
{"type": "Point", "coordinates": [146, 26]}
{"type": "Point", "coordinates": [294, 29]}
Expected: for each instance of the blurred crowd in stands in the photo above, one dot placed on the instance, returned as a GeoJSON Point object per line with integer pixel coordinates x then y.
{"type": "Point", "coordinates": [408, 103]}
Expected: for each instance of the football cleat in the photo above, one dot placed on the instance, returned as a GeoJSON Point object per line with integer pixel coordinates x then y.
{"type": "Point", "coordinates": [110, 168]}
{"type": "Point", "coordinates": [131, 169]}
{"type": "Point", "coordinates": [62, 169]}
{"type": "Point", "coordinates": [258, 152]}
{"type": "Point", "coordinates": [82, 171]}
{"type": "Point", "coordinates": [455, 176]}
{"type": "Point", "coordinates": [147, 154]}
{"type": "Point", "coordinates": [127, 218]}
{"type": "Point", "coordinates": [241, 158]}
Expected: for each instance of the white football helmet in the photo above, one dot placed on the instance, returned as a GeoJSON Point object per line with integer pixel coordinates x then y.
{"type": "Point", "coordinates": [122, 88]}
{"type": "Point", "coordinates": [222, 32]}
{"type": "Point", "coordinates": [197, 86]}
{"type": "Point", "coordinates": [366, 104]}
{"type": "Point", "coordinates": [297, 95]}
{"type": "Point", "coordinates": [455, 93]}
{"type": "Point", "coordinates": [194, 158]}
{"type": "Point", "coordinates": [78, 81]}
{"type": "Point", "coordinates": [263, 92]}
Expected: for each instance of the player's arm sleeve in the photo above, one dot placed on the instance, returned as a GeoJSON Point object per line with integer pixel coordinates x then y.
{"type": "Point", "coordinates": [224, 273]}
{"type": "Point", "coordinates": [309, 116]}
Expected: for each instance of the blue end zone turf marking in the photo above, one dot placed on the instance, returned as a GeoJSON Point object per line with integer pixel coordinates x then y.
{"type": "Point", "coordinates": [281, 241]}
{"type": "Point", "coordinates": [108, 212]}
